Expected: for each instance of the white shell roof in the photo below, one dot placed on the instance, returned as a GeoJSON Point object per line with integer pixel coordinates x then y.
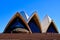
{"type": "Point", "coordinates": [45, 23]}
{"type": "Point", "coordinates": [24, 15]}
{"type": "Point", "coordinates": [31, 16]}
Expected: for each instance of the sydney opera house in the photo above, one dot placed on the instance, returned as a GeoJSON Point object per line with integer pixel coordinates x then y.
{"type": "Point", "coordinates": [23, 27]}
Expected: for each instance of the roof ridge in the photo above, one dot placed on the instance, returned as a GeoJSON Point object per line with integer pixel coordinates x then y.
{"type": "Point", "coordinates": [24, 15]}
{"type": "Point", "coordinates": [34, 13]}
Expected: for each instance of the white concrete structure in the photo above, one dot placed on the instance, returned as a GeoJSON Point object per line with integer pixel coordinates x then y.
{"type": "Point", "coordinates": [24, 15]}
{"type": "Point", "coordinates": [46, 24]}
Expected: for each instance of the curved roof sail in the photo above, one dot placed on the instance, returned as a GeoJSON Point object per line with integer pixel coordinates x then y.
{"type": "Point", "coordinates": [34, 23]}
{"type": "Point", "coordinates": [48, 26]}
{"type": "Point", "coordinates": [24, 15]}
{"type": "Point", "coordinates": [16, 21]}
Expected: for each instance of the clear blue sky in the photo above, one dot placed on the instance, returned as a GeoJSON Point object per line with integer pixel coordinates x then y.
{"type": "Point", "coordinates": [43, 7]}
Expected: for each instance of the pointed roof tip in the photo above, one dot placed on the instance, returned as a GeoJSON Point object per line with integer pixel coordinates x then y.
{"type": "Point", "coordinates": [25, 15]}
{"type": "Point", "coordinates": [47, 18]}
{"type": "Point", "coordinates": [17, 14]}
{"type": "Point", "coordinates": [35, 12]}
{"type": "Point", "coordinates": [22, 11]}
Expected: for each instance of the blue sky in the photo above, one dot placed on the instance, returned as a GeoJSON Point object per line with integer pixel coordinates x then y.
{"type": "Point", "coordinates": [9, 7]}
